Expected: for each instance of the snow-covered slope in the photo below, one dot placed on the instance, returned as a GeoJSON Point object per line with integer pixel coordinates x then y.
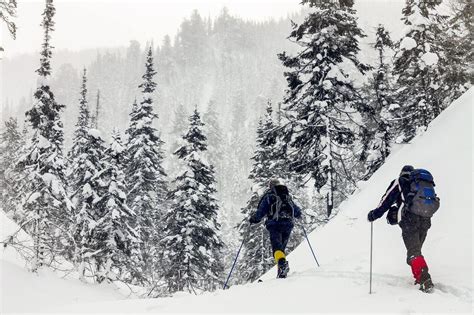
{"type": "Point", "coordinates": [341, 284]}
{"type": "Point", "coordinates": [23, 291]}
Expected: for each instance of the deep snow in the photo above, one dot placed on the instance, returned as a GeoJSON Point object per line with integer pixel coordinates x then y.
{"type": "Point", "coordinates": [23, 291]}
{"type": "Point", "coordinates": [341, 284]}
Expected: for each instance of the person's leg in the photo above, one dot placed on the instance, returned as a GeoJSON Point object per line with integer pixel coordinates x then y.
{"type": "Point", "coordinates": [425, 224]}
{"type": "Point", "coordinates": [426, 283]}
{"type": "Point", "coordinates": [276, 241]}
{"type": "Point", "coordinates": [411, 237]}
{"type": "Point", "coordinates": [285, 234]}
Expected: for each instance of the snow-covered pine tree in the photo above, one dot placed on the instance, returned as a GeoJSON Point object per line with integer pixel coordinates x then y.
{"type": "Point", "coordinates": [90, 182]}
{"type": "Point", "coordinates": [47, 207]}
{"type": "Point", "coordinates": [119, 240]}
{"type": "Point", "coordinates": [377, 131]}
{"type": "Point", "coordinates": [145, 177]}
{"type": "Point", "coordinates": [79, 169]}
{"type": "Point", "coordinates": [192, 247]}
{"type": "Point", "coordinates": [457, 44]}
{"type": "Point", "coordinates": [88, 190]}
{"type": "Point", "coordinates": [11, 176]}
{"type": "Point", "coordinates": [321, 103]}
{"type": "Point", "coordinates": [418, 64]}
{"type": "Point", "coordinates": [80, 133]}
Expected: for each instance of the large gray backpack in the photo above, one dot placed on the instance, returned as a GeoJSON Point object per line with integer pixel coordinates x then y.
{"type": "Point", "coordinates": [422, 199]}
{"type": "Point", "coordinates": [282, 206]}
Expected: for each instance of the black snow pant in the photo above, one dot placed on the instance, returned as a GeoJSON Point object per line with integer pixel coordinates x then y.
{"type": "Point", "coordinates": [414, 231]}
{"type": "Point", "coordinates": [279, 233]}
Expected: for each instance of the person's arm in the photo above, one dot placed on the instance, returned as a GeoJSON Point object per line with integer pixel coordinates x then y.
{"type": "Point", "coordinates": [262, 210]}
{"type": "Point", "coordinates": [296, 211]}
{"type": "Point", "coordinates": [391, 196]}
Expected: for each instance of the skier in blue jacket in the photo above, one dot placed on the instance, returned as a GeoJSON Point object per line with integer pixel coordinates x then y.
{"type": "Point", "coordinates": [280, 210]}
{"type": "Point", "coordinates": [397, 201]}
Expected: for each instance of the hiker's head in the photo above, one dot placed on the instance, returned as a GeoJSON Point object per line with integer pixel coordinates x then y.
{"type": "Point", "coordinates": [273, 182]}
{"type": "Point", "coordinates": [406, 170]}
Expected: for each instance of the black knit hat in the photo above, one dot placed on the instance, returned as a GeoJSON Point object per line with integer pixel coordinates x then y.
{"type": "Point", "coordinates": [406, 170]}
{"type": "Point", "coordinates": [273, 182]}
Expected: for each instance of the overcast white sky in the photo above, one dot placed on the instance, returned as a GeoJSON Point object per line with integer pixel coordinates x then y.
{"type": "Point", "coordinates": [104, 23]}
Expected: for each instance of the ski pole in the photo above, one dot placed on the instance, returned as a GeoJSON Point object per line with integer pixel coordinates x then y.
{"type": "Point", "coordinates": [371, 238]}
{"type": "Point", "coordinates": [309, 243]}
{"type": "Point", "coordinates": [235, 260]}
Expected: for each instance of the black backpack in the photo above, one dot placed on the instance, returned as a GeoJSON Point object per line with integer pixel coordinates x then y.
{"type": "Point", "coordinates": [422, 199]}
{"type": "Point", "coordinates": [282, 206]}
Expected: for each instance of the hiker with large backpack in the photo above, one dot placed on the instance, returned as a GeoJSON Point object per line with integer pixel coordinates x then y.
{"type": "Point", "coordinates": [280, 210]}
{"type": "Point", "coordinates": [411, 201]}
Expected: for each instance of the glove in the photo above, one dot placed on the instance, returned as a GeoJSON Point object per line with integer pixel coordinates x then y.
{"type": "Point", "coordinates": [392, 216]}
{"type": "Point", "coordinates": [253, 220]}
{"type": "Point", "coordinates": [372, 216]}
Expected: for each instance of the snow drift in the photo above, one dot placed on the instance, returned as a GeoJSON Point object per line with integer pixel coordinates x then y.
{"type": "Point", "coordinates": [341, 284]}
{"type": "Point", "coordinates": [23, 291]}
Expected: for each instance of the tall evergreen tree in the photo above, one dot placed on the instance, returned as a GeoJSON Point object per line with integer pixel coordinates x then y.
{"type": "Point", "coordinates": [119, 238]}
{"type": "Point", "coordinates": [82, 126]}
{"type": "Point", "coordinates": [47, 207]}
{"type": "Point", "coordinates": [88, 172]}
{"type": "Point", "coordinates": [79, 172]}
{"type": "Point", "coordinates": [377, 132]}
{"type": "Point", "coordinates": [419, 66]}
{"type": "Point", "coordinates": [459, 55]}
{"type": "Point", "coordinates": [87, 179]}
{"type": "Point", "coordinates": [146, 178]}
{"type": "Point", "coordinates": [192, 248]}
{"type": "Point", "coordinates": [321, 100]}
{"type": "Point", "coordinates": [11, 147]}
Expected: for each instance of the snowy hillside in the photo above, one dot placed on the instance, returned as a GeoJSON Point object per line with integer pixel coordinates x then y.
{"type": "Point", "coordinates": [341, 284]}
{"type": "Point", "coordinates": [23, 291]}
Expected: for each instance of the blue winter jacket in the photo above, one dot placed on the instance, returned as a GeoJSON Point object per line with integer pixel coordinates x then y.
{"type": "Point", "coordinates": [264, 206]}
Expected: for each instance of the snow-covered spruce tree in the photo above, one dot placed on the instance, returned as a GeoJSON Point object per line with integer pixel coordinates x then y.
{"type": "Point", "coordinates": [79, 170]}
{"type": "Point", "coordinates": [90, 212]}
{"type": "Point", "coordinates": [11, 176]}
{"type": "Point", "coordinates": [118, 239]}
{"type": "Point", "coordinates": [321, 103]}
{"type": "Point", "coordinates": [457, 44]}
{"type": "Point", "coordinates": [47, 207]}
{"type": "Point", "coordinates": [87, 184]}
{"type": "Point", "coordinates": [192, 247]}
{"type": "Point", "coordinates": [418, 64]}
{"type": "Point", "coordinates": [257, 252]}
{"type": "Point", "coordinates": [146, 178]}
{"type": "Point", "coordinates": [79, 138]}
{"type": "Point", "coordinates": [377, 131]}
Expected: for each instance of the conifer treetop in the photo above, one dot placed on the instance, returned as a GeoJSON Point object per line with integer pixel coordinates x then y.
{"type": "Point", "coordinates": [194, 136]}
{"type": "Point", "coordinates": [148, 86]}
{"type": "Point", "coordinates": [327, 4]}
{"type": "Point", "coordinates": [46, 53]}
